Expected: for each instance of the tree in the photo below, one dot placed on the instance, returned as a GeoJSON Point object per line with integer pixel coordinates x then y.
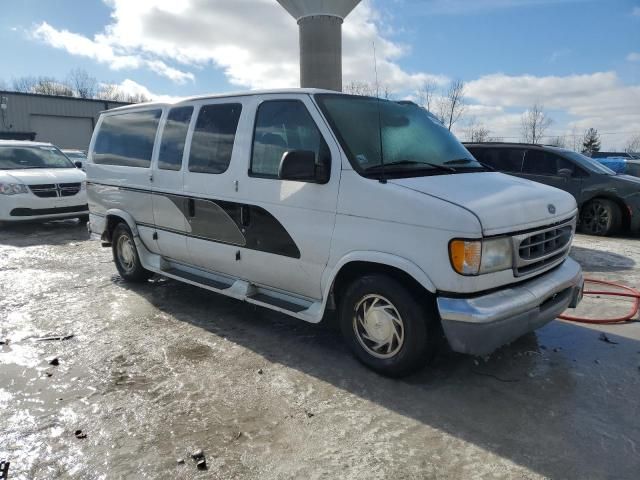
{"type": "Point", "coordinates": [534, 123]}
{"type": "Point", "coordinates": [451, 106]}
{"type": "Point", "coordinates": [633, 145]}
{"type": "Point", "coordinates": [591, 142]}
{"type": "Point", "coordinates": [558, 141]}
{"type": "Point", "coordinates": [425, 94]}
{"type": "Point", "coordinates": [113, 93]}
{"type": "Point", "coordinates": [476, 132]}
{"type": "Point", "coordinates": [83, 85]}
{"type": "Point", "coordinates": [51, 86]}
{"type": "Point", "coordinates": [23, 84]}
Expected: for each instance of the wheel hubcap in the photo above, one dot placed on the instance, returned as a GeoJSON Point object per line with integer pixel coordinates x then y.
{"type": "Point", "coordinates": [378, 326]}
{"type": "Point", "coordinates": [596, 218]}
{"type": "Point", "coordinates": [126, 253]}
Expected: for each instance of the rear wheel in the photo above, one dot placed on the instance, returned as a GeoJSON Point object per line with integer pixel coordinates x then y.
{"type": "Point", "coordinates": [600, 217]}
{"type": "Point", "coordinates": [125, 255]}
{"type": "Point", "coordinates": [385, 326]}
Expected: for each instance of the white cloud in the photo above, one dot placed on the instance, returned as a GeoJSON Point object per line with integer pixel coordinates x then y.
{"type": "Point", "coordinates": [633, 57]}
{"type": "Point", "coordinates": [458, 7]}
{"type": "Point", "coordinates": [101, 49]}
{"type": "Point", "coordinates": [130, 87]}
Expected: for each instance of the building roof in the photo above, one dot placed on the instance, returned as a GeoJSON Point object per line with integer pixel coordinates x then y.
{"type": "Point", "coordinates": [63, 97]}
{"type": "Point", "coordinates": [24, 143]}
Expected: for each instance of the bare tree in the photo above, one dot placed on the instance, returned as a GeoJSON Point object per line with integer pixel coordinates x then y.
{"type": "Point", "coordinates": [451, 106]}
{"type": "Point", "coordinates": [476, 132]}
{"type": "Point", "coordinates": [112, 92]}
{"type": "Point", "coordinates": [51, 86]}
{"type": "Point", "coordinates": [534, 123]}
{"type": "Point", "coordinates": [83, 85]}
{"type": "Point", "coordinates": [356, 87]}
{"type": "Point", "coordinates": [23, 84]}
{"type": "Point", "coordinates": [558, 141]}
{"type": "Point", "coordinates": [633, 145]}
{"type": "Point", "coordinates": [425, 94]}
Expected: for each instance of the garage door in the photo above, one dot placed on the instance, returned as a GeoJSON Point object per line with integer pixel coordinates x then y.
{"type": "Point", "coordinates": [65, 132]}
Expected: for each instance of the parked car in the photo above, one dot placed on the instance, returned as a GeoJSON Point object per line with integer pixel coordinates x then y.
{"type": "Point", "coordinates": [607, 202]}
{"type": "Point", "coordinates": [78, 157]}
{"type": "Point", "coordinates": [38, 182]}
{"type": "Point", "coordinates": [599, 155]}
{"type": "Point", "coordinates": [306, 200]}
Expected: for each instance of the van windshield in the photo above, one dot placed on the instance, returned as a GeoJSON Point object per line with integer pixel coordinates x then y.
{"type": "Point", "coordinates": [413, 142]}
{"type": "Point", "coordinates": [42, 156]}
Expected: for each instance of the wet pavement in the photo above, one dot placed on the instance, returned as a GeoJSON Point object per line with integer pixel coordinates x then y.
{"type": "Point", "coordinates": [154, 372]}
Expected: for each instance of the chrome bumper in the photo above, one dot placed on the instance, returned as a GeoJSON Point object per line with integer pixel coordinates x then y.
{"type": "Point", "coordinates": [479, 325]}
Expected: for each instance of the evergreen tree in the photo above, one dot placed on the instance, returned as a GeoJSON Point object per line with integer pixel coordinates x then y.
{"type": "Point", "coordinates": [591, 142]}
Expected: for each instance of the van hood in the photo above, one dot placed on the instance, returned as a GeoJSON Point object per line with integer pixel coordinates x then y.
{"type": "Point", "coordinates": [501, 202]}
{"type": "Point", "coordinates": [35, 176]}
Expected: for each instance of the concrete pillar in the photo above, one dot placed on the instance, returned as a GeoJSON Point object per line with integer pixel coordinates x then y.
{"type": "Point", "coordinates": [321, 52]}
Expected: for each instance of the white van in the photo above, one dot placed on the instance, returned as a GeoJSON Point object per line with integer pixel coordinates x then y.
{"type": "Point", "coordinates": [38, 182]}
{"type": "Point", "coordinates": [284, 199]}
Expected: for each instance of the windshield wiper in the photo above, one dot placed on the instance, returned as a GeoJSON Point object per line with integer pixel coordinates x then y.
{"type": "Point", "coordinates": [460, 161]}
{"type": "Point", "coordinates": [400, 163]}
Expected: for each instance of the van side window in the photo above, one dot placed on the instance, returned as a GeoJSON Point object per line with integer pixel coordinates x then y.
{"type": "Point", "coordinates": [174, 136]}
{"type": "Point", "coordinates": [281, 126]}
{"type": "Point", "coordinates": [127, 139]}
{"type": "Point", "coordinates": [213, 137]}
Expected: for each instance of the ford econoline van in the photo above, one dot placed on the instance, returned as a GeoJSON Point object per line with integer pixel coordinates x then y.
{"type": "Point", "coordinates": [305, 200]}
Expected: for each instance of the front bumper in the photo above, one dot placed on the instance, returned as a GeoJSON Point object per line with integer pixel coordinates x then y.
{"type": "Point", "coordinates": [29, 207]}
{"type": "Point", "coordinates": [478, 325]}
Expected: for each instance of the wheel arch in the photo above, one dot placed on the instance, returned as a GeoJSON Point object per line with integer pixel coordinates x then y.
{"type": "Point", "coordinates": [113, 217]}
{"type": "Point", "coordinates": [358, 264]}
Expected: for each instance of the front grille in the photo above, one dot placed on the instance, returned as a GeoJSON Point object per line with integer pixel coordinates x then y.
{"type": "Point", "coordinates": [49, 190]}
{"type": "Point", "coordinates": [542, 248]}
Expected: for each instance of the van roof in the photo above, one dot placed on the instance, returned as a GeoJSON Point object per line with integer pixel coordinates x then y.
{"type": "Point", "coordinates": [309, 91]}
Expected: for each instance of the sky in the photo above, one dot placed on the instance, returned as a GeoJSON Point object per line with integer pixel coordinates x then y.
{"type": "Point", "coordinates": [580, 59]}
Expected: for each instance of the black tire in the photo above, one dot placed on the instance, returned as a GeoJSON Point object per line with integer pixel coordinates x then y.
{"type": "Point", "coordinates": [125, 255]}
{"type": "Point", "coordinates": [600, 217]}
{"type": "Point", "coordinates": [416, 326]}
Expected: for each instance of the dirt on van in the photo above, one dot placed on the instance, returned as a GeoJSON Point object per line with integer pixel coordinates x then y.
{"type": "Point", "coordinates": [100, 379]}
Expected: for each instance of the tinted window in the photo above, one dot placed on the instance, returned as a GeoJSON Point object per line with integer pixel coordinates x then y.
{"type": "Point", "coordinates": [127, 139]}
{"type": "Point", "coordinates": [283, 126]}
{"type": "Point", "coordinates": [213, 137]}
{"type": "Point", "coordinates": [502, 159]}
{"type": "Point", "coordinates": [173, 138]}
{"type": "Point", "coordinates": [539, 162]}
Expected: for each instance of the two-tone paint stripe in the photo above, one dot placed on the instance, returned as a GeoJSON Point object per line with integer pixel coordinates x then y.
{"type": "Point", "coordinates": [222, 221]}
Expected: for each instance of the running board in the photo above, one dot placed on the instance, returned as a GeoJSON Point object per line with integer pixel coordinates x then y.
{"type": "Point", "coordinates": [303, 308]}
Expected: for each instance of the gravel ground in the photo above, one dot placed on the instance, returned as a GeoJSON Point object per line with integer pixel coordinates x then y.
{"type": "Point", "coordinates": [154, 372]}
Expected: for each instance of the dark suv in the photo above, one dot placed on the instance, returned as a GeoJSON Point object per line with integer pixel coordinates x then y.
{"type": "Point", "coordinates": [608, 202]}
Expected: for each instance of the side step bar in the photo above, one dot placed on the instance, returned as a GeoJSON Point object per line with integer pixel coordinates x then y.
{"type": "Point", "coordinates": [303, 308]}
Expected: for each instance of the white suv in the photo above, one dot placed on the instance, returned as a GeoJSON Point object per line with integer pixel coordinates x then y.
{"type": "Point", "coordinates": [38, 182]}
{"type": "Point", "coordinates": [307, 200]}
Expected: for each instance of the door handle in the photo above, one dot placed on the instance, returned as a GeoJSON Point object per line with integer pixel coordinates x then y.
{"type": "Point", "coordinates": [192, 207]}
{"type": "Point", "coordinates": [151, 177]}
{"type": "Point", "coordinates": [244, 215]}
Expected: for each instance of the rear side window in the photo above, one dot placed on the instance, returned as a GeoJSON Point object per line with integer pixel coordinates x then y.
{"type": "Point", "coordinates": [282, 126]}
{"type": "Point", "coordinates": [127, 139]}
{"type": "Point", "coordinates": [174, 136]}
{"type": "Point", "coordinates": [213, 137]}
{"type": "Point", "coordinates": [502, 159]}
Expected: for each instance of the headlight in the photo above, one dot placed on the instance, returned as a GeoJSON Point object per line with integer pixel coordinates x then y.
{"type": "Point", "coordinates": [12, 188]}
{"type": "Point", "coordinates": [83, 185]}
{"type": "Point", "coordinates": [475, 257]}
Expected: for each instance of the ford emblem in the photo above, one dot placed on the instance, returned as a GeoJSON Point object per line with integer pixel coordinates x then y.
{"type": "Point", "coordinates": [552, 208]}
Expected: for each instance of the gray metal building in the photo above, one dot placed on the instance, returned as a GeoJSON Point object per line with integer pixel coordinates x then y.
{"type": "Point", "coordinates": [64, 121]}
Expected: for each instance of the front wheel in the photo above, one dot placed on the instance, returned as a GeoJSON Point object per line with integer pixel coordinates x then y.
{"type": "Point", "coordinates": [125, 255]}
{"type": "Point", "coordinates": [600, 217]}
{"type": "Point", "coordinates": [385, 326]}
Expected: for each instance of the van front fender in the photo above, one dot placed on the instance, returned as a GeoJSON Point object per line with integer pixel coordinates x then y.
{"type": "Point", "coordinates": [380, 258]}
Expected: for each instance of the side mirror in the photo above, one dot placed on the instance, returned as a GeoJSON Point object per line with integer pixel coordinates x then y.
{"type": "Point", "coordinates": [300, 166]}
{"type": "Point", "coordinates": [565, 173]}
{"type": "Point", "coordinates": [78, 164]}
